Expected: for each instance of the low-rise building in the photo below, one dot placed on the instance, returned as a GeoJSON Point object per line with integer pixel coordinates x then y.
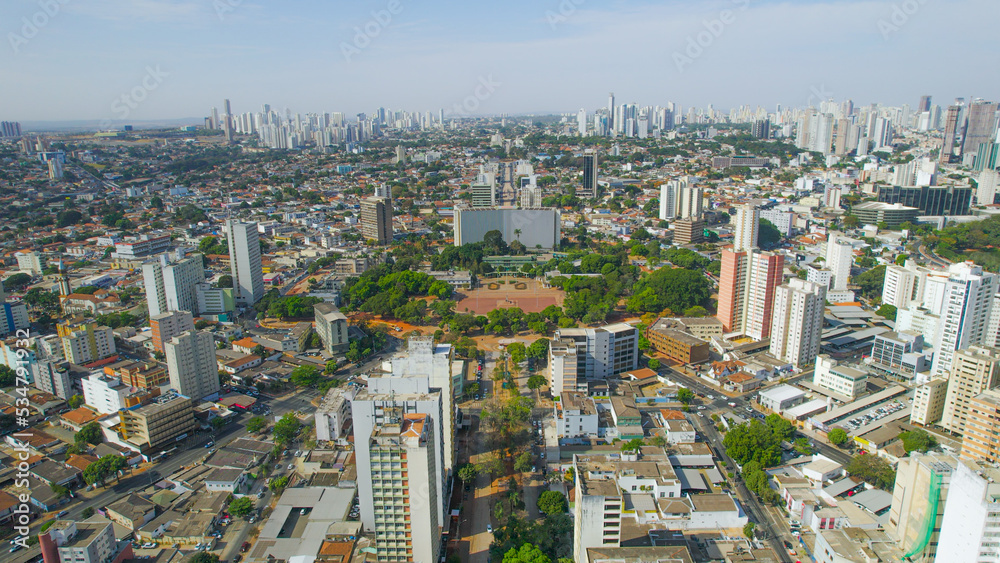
{"type": "Point", "coordinates": [576, 416]}
{"type": "Point", "coordinates": [781, 397]}
{"type": "Point", "coordinates": [679, 346]}
{"type": "Point", "coordinates": [841, 379]}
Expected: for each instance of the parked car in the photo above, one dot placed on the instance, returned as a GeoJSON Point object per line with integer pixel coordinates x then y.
{"type": "Point", "coordinates": [489, 528]}
{"type": "Point", "coordinates": [245, 546]}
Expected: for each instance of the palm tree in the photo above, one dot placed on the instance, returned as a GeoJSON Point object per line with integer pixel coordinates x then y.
{"type": "Point", "coordinates": [517, 233]}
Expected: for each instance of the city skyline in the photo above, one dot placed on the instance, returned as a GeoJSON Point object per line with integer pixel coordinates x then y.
{"type": "Point", "coordinates": [183, 57]}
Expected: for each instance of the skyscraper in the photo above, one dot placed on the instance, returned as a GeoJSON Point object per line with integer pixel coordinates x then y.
{"type": "Point", "coordinates": [964, 311]}
{"type": "Point", "coordinates": [227, 124]}
{"type": "Point", "coordinates": [406, 522]}
{"type": "Point", "coordinates": [170, 286]}
{"type": "Point", "coordinates": [191, 364]}
{"type": "Point", "coordinates": [747, 282]}
{"type": "Point", "coordinates": [747, 222]}
{"type": "Point", "coordinates": [589, 188]}
{"type": "Point", "coordinates": [797, 321]}
{"type": "Point", "coordinates": [981, 128]}
{"type": "Point", "coordinates": [581, 122]}
{"type": "Point", "coordinates": [924, 105]}
{"type": "Point", "coordinates": [376, 219]}
{"type": "Point", "coordinates": [245, 260]}
{"type": "Point", "coordinates": [951, 128]}
{"type": "Point", "coordinates": [611, 114]}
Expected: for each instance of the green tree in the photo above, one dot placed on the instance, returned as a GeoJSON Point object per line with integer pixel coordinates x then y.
{"type": "Point", "coordinates": [203, 557]}
{"type": "Point", "coordinates": [468, 472]}
{"type": "Point", "coordinates": [89, 433]}
{"type": "Point", "coordinates": [632, 445]}
{"type": "Point", "coordinates": [256, 424]}
{"type": "Point", "coordinates": [305, 376]}
{"type": "Point", "coordinates": [873, 469]}
{"type": "Point", "coordinates": [278, 484]}
{"type": "Point", "coordinates": [523, 462]}
{"type": "Point", "coordinates": [87, 512]}
{"type": "Point", "coordinates": [753, 441]}
{"type": "Point", "coordinates": [837, 436]}
{"type": "Point", "coordinates": [871, 282]}
{"type": "Point", "coordinates": [76, 401]}
{"type": "Point", "coordinates": [59, 490]}
{"type": "Point", "coordinates": [241, 507]}
{"type": "Point", "coordinates": [552, 502]}
{"type": "Point", "coordinates": [527, 553]}
{"type": "Point", "coordinates": [887, 311]}
{"type": "Point", "coordinates": [767, 234]}
{"type": "Point", "coordinates": [536, 382]}
{"type": "Point", "coordinates": [17, 282]}
{"type": "Point", "coordinates": [217, 423]}
{"type": "Point", "coordinates": [685, 395]}
{"type": "Point", "coordinates": [539, 349]}
{"type": "Point", "coordinates": [286, 429]}
{"type": "Point", "coordinates": [518, 353]}
{"type": "Point", "coordinates": [225, 281]}
{"type": "Point", "coordinates": [8, 377]}
{"type": "Point", "coordinates": [653, 363]}
{"type": "Point", "coordinates": [748, 530]}
{"type": "Point", "coordinates": [259, 350]}
{"type": "Point", "coordinates": [919, 440]}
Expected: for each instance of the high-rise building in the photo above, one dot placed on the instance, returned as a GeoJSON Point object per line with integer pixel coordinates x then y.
{"type": "Point", "coordinates": [762, 129]}
{"type": "Point", "coordinates": [331, 326]}
{"type": "Point", "coordinates": [928, 402]}
{"type": "Point", "coordinates": [747, 223]}
{"type": "Point", "coordinates": [192, 365]}
{"type": "Point", "coordinates": [581, 122]}
{"type": "Point", "coordinates": [974, 371]}
{"type": "Point", "coordinates": [376, 219]}
{"type": "Point", "coordinates": [605, 351]}
{"type": "Point", "coordinates": [689, 231]}
{"type": "Point", "coordinates": [970, 527]}
{"type": "Point", "coordinates": [227, 124]}
{"type": "Point", "coordinates": [214, 300]}
{"type": "Point", "coordinates": [747, 283]}
{"type": "Point", "coordinates": [245, 261]}
{"type": "Point", "coordinates": [839, 258]}
{"type": "Point", "coordinates": [590, 171]}
{"type": "Point", "coordinates": [924, 105]}
{"type": "Point", "coordinates": [13, 316]}
{"type": "Point", "coordinates": [668, 200]}
{"type": "Point", "coordinates": [797, 321]}
{"type": "Point", "coordinates": [483, 194]}
{"type": "Point", "coordinates": [170, 285]}
{"type": "Point", "coordinates": [160, 422]}
{"type": "Point", "coordinates": [964, 312]}
{"type": "Point", "coordinates": [31, 262]}
{"type": "Point", "coordinates": [167, 325]}
{"type": "Point", "coordinates": [690, 203]}
{"type": "Point", "coordinates": [951, 129]}
{"type": "Point", "coordinates": [923, 486]}
{"type": "Point", "coordinates": [981, 128]}
{"type": "Point", "coordinates": [406, 516]}
{"type": "Point", "coordinates": [10, 129]}
{"type": "Point", "coordinates": [981, 442]}
{"type": "Point", "coordinates": [903, 284]}
{"type": "Point", "coordinates": [611, 114]}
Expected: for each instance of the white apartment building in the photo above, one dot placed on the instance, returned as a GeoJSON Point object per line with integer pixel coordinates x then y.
{"type": "Point", "coordinates": [846, 381]}
{"type": "Point", "coordinates": [576, 416]}
{"type": "Point", "coordinates": [84, 542]}
{"type": "Point", "coordinates": [797, 321]}
{"type": "Point", "coordinates": [928, 402]}
{"type": "Point", "coordinates": [333, 416]}
{"type": "Point", "coordinates": [30, 262]}
{"type": "Point", "coordinates": [104, 394]}
{"type": "Point", "coordinates": [747, 222]}
{"type": "Point", "coordinates": [170, 285]}
{"type": "Point", "coordinates": [245, 261]}
{"type": "Point", "coordinates": [85, 346]}
{"type": "Point", "coordinates": [407, 526]}
{"type": "Point", "coordinates": [965, 312]}
{"type": "Point", "coordinates": [970, 529]}
{"type": "Point", "coordinates": [839, 258]}
{"type": "Point", "coordinates": [191, 364]}
{"type": "Point", "coordinates": [331, 326]}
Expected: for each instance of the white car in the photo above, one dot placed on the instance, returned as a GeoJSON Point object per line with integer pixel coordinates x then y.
{"type": "Point", "coordinates": [489, 528]}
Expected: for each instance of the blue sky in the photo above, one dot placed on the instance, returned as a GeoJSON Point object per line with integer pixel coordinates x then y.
{"type": "Point", "coordinates": [541, 56]}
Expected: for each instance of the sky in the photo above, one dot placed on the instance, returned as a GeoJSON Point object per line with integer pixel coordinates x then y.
{"type": "Point", "coordinates": [166, 59]}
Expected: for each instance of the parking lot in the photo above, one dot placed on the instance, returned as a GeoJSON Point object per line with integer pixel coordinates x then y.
{"type": "Point", "coordinates": [872, 416]}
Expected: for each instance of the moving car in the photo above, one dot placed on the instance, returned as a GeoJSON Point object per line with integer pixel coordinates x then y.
{"type": "Point", "coordinates": [489, 528]}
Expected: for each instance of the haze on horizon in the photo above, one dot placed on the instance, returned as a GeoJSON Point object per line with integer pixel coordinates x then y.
{"type": "Point", "coordinates": [185, 56]}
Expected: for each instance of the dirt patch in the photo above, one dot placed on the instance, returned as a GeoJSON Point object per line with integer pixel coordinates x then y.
{"type": "Point", "coordinates": [529, 295]}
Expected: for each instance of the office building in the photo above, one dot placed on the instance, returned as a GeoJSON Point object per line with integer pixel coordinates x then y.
{"type": "Point", "coordinates": [143, 245]}
{"type": "Point", "coordinates": [407, 523]}
{"type": "Point", "coordinates": [30, 262]}
{"type": "Point", "coordinates": [245, 262]}
{"type": "Point", "coordinates": [532, 227]}
{"type": "Point", "coordinates": [747, 284]}
{"type": "Point", "coordinates": [605, 351]}
{"type": "Point", "coordinates": [483, 195]}
{"type": "Point", "coordinates": [981, 128]}
{"type": "Point", "coordinates": [970, 527]}
{"type": "Point", "coordinates": [899, 355]}
{"type": "Point", "coordinates": [588, 190]}
{"type": "Point", "coordinates": [986, 188]}
{"type": "Point", "coordinates": [689, 231]}
{"type": "Point", "coordinates": [843, 380]}
{"type": "Point", "coordinates": [921, 491]}
{"type": "Point", "coordinates": [974, 371]}
{"type": "Point", "coordinates": [331, 326]}
{"type": "Point", "coordinates": [761, 129]}
{"type": "Point", "coordinates": [84, 342]}
{"type": "Point", "coordinates": [159, 423]}
{"type": "Point", "coordinates": [839, 259]}
{"type": "Point", "coordinates": [83, 542]}
{"type": "Point", "coordinates": [170, 285]}
{"type": "Point", "coordinates": [747, 223]}
{"type": "Point", "coordinates": [191, 364]}
{"type": "Point", "coordinates": [141, 375]}
{"type": "Point", "coordinates": [987, 157]}
{"type": "Point", "coordinates": [981, 442]}
{"type": "Point", "coordinates": [892, 214]}
{"type": "Point", "coordinates": [797, 321]}
{"type": "Point", "coordinates": [581, 122]}
{"type": "Point", "coordinates": [930, 200]}
{"type": "Point", "coordinates": [167, 325]}
{"type": "Point", "coordinates": [376, 219]}
{"type": "Point", "coordinates": [214, 301]}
